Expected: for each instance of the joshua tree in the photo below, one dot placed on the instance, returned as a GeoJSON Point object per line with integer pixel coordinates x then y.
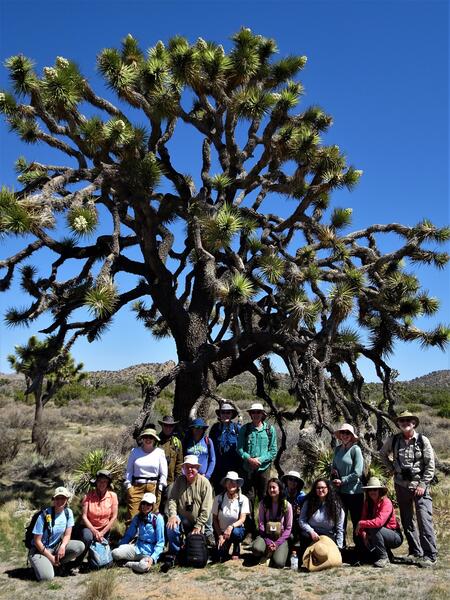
{"type": "Point", "coordinates": [214, 268]}
{"type": "Point", "coordinates": [46, 371]}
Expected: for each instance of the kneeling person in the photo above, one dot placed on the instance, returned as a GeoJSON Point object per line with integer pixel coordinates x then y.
{"type": "Point", "coordinates": [230, 510]}
{"type": "Point", "coordinates": [190, 503]}
{"type": "Point", "coordinates": [149, 530]}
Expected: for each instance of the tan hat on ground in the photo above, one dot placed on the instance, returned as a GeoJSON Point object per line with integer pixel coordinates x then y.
{"type": "Point", "coordinates": [345, 427]}
{"type": "Point", "coordinates": [323, 554]}
{"type": "Point", "coordinates": [62, 491]}
{"type": "Point", "coordinates": [407, 415]}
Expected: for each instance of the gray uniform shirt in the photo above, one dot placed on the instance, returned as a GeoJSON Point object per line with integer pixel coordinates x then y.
{"type": "Point", "coordinates": [409, 455]}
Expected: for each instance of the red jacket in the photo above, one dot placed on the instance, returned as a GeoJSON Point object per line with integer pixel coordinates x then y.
{"type": "Point", "coordinates": [384, 515]}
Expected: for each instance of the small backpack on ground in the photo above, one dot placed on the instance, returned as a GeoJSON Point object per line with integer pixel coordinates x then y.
{"type": "Point", "coordinates": [28, 539]}
{"type": "Point", "coordinates": [196, 551]}
{"type": "Point", "coordinates": [100, 555]}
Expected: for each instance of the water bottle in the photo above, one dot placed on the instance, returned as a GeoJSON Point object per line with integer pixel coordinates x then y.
{"type": "Point", "coordinates": [294, 561]}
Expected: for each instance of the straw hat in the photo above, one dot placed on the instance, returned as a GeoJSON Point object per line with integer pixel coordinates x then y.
{"type": "Point", "coordinates": [323, 554]}
{"type": "Point", "coordinates": [227, 406]}
{"type": "Point", "coordinates": [407, 415]}
{"type": "Point", "coordinates": [375, 484]}
{"type": "Point", "coordinates": [150, 433]}
{"type": "Point", "coordinates": [346, 427]}
{"type": "Point", "coordinates": [232, 476]}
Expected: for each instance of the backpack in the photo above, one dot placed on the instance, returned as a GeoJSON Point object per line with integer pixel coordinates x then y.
{"type": "Point", "coordinates": [29, 536]}
{"type": "Point", "coordinates": [100, 555]}
{"type": "Point", "coordinates": [396, 445]}
{"type": "Point", "coordinates": [196, 551]}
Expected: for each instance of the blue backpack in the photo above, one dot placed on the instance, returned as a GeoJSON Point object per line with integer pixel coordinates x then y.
{"type": "Point", "coordinates": [100, 555]}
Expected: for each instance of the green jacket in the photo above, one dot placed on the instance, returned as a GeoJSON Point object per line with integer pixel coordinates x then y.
{"type": "Point", "coordinates": [257, 443]}
{"type": "Point", "coordinates": [173, 450]}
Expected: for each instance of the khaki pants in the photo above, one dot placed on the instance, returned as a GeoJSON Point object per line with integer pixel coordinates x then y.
{"type": "Point", "coordinates": [134, 497]}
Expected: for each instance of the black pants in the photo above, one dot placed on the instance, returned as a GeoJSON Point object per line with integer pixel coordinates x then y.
{"type": "Point", "coordinates": [255, 487]}
{"type": "Point", "coordinates": [353, 504]}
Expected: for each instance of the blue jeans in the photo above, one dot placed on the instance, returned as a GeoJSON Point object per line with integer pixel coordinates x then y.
{"type": "Point", "coordinates": [236, 537]}
{"type": "Point", "coordinates": [174, 535]}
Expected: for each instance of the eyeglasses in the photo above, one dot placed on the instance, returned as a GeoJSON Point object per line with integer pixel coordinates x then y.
{"type": "Point", "coordinates": [319, 489]}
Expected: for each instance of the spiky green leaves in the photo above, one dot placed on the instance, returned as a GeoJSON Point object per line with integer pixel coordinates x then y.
{"type": "Point", "coordinates": [342, 299]}
{"type": "Point", "coordinates": [272, 267]}
{"type": "Point", "coordinates": [102, 299]}
{"type": "Point", "coordinates": [19, 217]}
{"type": "Point", "coordinates": [8, 104]}
{"type": "Point", "coordinates": [253, 103]}
{"type": "Point", "coordinates": [341, 217]}
{"type": "Point", "coordinates": [440, 337]}
{"type": "Point", "coordinates": [302, 310]}
{"type": "Point", "coordinates": [82, 220]}
{"type": "Point", "coordinates": [21, 74]}
{"type": "Point", "coordinates": [219, 230]}
{"type": "Point", "coordinates": [62, 87]}
{"type": "Point", "coordinates": [238, 289]}
{"type": "Point", "coordinates": [119, 75]}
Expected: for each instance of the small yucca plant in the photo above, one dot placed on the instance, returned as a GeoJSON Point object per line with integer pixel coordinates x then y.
{"type": "Point", "coordinates": [317, 457]}
{"type": "Point", "coordinates": [93, 462]}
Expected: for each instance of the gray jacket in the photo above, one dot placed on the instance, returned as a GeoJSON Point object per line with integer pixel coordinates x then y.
{"type": "Point", "coordinates": [411, 466]}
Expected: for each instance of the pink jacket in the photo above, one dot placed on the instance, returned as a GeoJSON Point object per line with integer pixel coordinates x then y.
{"type": "Point", "coordinates": [384, 515]}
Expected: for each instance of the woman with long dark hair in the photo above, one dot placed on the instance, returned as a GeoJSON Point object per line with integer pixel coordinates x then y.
{"type": "Point", "coordinates": [321, 514]}
{"type": "Point", "coordinates": [275, 525]}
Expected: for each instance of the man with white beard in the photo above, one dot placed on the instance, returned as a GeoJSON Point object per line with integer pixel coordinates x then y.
{"type": "Point", "coordinates": [409, 456]}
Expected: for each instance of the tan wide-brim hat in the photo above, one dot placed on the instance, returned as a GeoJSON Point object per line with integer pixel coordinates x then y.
{"type": "Point", "coordinates": [227, 406]}
{"type": "Point", "coordinates": [323, 554]}
{"type": "Point", "coordinates": [257, 406]}
{"type": "Point", "coordinates": [407, 415]}
{"type": "Point", "coordinates": [149, 432]}
{"type": "Point", "coordinates": [375, 484]}
{"type": "Point", "coordinates": [345, 427]}
{"type": "Point", "coordinates": [232, 476]}
{"type": "Point", "coordinates": [192, 460]}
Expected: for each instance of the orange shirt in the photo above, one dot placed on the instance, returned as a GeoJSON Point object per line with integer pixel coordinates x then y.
{"type": "Point", "coordinates": [100, 510]}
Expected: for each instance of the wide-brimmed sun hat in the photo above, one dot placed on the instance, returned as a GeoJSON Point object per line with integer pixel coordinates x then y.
{"type": "Point", "coordinates": [102, 473]}
{"type": "Point", "coordinates": [227, 406]}
{"type": "Point", "coordinates": [198, 423]}
{"type": "Point", "coordinates": [294, 475]}
{"type": "Point", "coordinates": [168, 420]}
{"type": "Point", "coordinates": [407, 415]}
{"type": "Point", "coordinates": [323, 554]}
{"type": "Point", "coordinates": [346, 427]}
{"type": "Point", "coordinates": [375, 484]}
{"type": "Point", "coordinates": [149, 432]}
{"type": "Point", "coordinates": [149, 497]}
{"type": "Point", "coordinates": [232, 476]}
{"type": "Point", "coordinates": [191, 460]}
{"type": "Point", "coordinates": [62, 491]}
{"type": "Point", "coordinates": [257, 407]}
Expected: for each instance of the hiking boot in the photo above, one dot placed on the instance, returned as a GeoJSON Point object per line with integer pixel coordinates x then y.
{"type": "Point", "coordinates": [426, 562]}
{"type": "Point", "coordinates": [211, 540]}
{"type": "Point", "coordinates": [381, 563]}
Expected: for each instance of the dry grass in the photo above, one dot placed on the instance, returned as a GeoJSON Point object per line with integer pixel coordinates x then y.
{"type": "Point", "coordinates": [102, 586]}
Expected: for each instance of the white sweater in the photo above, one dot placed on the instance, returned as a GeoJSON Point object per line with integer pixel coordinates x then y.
{"type": "Point", "coordinates": [146, 464]}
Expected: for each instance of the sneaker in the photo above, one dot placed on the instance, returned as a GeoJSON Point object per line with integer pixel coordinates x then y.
{"type": "Point", "coordinates": [426, 562]}
{"type": "Point", "coordinates": [131, 563]}
{"type": "Point", "coordinates": [381, 563]}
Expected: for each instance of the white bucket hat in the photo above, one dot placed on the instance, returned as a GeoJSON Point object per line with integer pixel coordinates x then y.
{"type": "Point", "coordinates": [192, 460]}
{"type": "Point", "coordinates": [257, 406]}
{"type": "Point", "coordinates": [346, 427]}
{"type": "Point", "coordinates": [232, 476]}
{"type": "Point", "coordinates": [294, 474]}
{"type": "Point", "coordinates": [149, 498]}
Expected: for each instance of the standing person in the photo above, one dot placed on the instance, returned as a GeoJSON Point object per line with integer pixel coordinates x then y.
{"type": "Point", "coordinates": [409, 456]}
{"type": "Point", "coordinates": [99, 512]}
{"type": "Point", "coordinates": [230, 509]}
{"type": "Point", "coordinates": [295, 496]}
{"type": "Point", "coordinates": [51, 546]}
{"type": "Point", "coordinates": [224, 435]}
{"type": "Point", "coordinates": [378, 527]}
{"type": "Point", "coordinates": [190, 503]}
{"type": "Point", "coordinates": [257, 447]}
{"type": "Point", "coordinates": [147, 530]}
{"type": "Point", "coordinates": [197, 443]}
{"type": "Point", "coordinates": [346, 473]}
{"type": "Point", "coordinates": [146, 472]}
{"type": "Point", "coordinates": [321, 514]}
{"type": "Point", "coordinates": [173, 449]}
{"type": "Point", "coordinates": [274, 525]}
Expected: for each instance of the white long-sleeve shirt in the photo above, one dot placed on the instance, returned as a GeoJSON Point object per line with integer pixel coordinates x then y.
{"type": "Point", "coordinates": [146, 464]}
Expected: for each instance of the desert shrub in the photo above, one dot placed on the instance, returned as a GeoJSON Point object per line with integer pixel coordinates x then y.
{"type": "Point", "coordinates": [9, 443]}
{"type": "Point", "coordinates": [15, 417]}
{"type": "Point", "coordinates": [70, 392]}
{"type": "Point", "coordinates": [444, 409]}
{"type": "Point", "coordinates": [316, 456]}
{"type": "Point", "coordinates": [20, 396]}
{"type": "Point", "coordinates": [14, 516]}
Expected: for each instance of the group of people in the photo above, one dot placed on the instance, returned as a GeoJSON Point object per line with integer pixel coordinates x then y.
{"type": "Point", "coordinates": [209, 486]}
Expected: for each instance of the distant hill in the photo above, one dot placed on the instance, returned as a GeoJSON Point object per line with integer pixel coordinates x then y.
{"type": "Point", "coordinates": [436, 379]}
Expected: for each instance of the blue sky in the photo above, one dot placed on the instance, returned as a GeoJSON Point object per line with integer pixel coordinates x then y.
{"type": "Point", "coordinates": [380, 68]}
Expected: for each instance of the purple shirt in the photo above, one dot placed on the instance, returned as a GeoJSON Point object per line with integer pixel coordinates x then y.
{"type": "Point", "coordinates": [271, 515]}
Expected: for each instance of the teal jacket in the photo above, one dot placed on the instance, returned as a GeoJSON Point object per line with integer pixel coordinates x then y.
{"type": "Point", "coordinates": [349, 463]}
{"type": "Point", "coordinates": [257, 443]}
